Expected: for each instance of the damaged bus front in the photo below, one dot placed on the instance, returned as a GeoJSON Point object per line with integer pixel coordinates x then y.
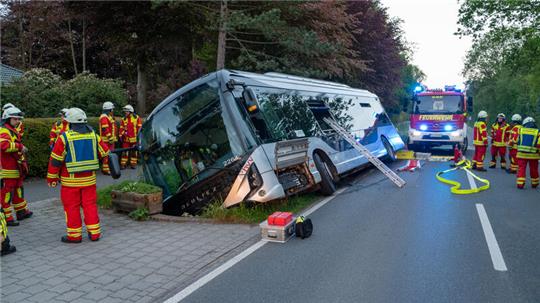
{"type": "Point", "coordinates": [234, 136]}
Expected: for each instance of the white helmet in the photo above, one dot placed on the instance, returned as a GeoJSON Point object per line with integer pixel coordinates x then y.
{"type": "Point", "coordinates": [501, 115]}
{"type": "Point", "coordinates": [64, 111]}
{"type": "Point", "coordinates": [482, 114]}
{"type": "Point", "coordinates": [516, 118]}
{"type": "Point", "coordinates": [528, 120]}
{"type": "Point", "coordinates": [76, 115]}
{"type": "Point", "coordinates": [6, 106]}
{"type": "Point", "coordinates": [108, 106]}
{"type": "Point", "coordinates": [12, 112]}
{"type": "Point", "coordinates": [128, 108]}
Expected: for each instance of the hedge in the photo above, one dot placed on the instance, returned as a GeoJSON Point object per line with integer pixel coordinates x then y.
{"type": "Point", "coordinates": [36, 139]}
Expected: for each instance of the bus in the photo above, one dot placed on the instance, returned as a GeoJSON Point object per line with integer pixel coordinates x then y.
{"type": "Point", "coordinates": [219, 138]}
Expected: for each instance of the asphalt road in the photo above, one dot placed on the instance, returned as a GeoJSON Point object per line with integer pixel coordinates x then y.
{"type": "Point", "coordinates": [378, 243]}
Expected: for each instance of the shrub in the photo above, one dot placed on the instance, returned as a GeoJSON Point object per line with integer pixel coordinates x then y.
{"type": "Point", "coordinates": [104, 194]}
{"type": "Point", "coordinates": [140, 214]}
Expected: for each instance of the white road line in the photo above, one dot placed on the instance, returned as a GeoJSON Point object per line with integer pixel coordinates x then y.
{"type": "Point", "coordinates": [225, 266]}
{"type": "Point", "coordinates": [471, 180]}
{"type": "Point", "coordinates": [494, 250]}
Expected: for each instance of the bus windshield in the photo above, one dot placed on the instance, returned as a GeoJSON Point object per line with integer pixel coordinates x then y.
{"type": "Point", "coordinates": [439, 105]}
{"type": "Point", "coordinates": [187, 141]}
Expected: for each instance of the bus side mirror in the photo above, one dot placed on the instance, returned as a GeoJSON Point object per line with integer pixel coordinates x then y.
{"type": "Point", "coordinates": [469, 103]}
{"type": "Point", "coordinates": [250, 100]}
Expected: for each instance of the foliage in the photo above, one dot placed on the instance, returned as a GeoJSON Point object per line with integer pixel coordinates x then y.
{"type": "Point", "coordinates": [140, 214]}
{"type": "Point", "coordinates": [255, 213]}
{"type": "Point", "coordinates": [502, 66]}
{"type": "Point", "coordinates": [40, 93]}
{"type": "Point", "coordinates": [104, 194]}
{"type": "Point", "coordinates": [36, 139]}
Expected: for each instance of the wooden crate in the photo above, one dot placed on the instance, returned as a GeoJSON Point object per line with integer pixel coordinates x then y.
{"type": "Point", "coordinates": [129, 201]}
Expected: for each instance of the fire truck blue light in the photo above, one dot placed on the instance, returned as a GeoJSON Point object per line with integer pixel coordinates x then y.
{"type": "Point", "coordinates": [423, 127]}
{"type": "Point", "coordinates": [448, 127]}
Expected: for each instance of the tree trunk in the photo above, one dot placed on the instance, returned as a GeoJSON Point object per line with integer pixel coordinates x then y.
{"type": "Point", "coordinates": [84, 44]}
{"type": "Point", "coordinates": [141, 86]}
{"type": "Point", "coordinates": [21, 35]}
{"type": "Point", "coordinates": [72, 48]}
{"type": "Point", "coordinates": [222, 37]}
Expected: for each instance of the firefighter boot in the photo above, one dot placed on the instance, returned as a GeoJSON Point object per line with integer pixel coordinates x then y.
{"type": "Point", "coordinates": [24, 214]}
{"type": "Point", "coordinates": [493, 163]}
{"type": "Point", "coordinates": [92, 239]}
{"type": "Point", "coordinates": [12, 223]}
{"type": "Point", "coordinates": [7, 248]}
{"type": "Point", "coordinates": [481, 169]}
{"type": "Point", "coordinates": [65, 239]}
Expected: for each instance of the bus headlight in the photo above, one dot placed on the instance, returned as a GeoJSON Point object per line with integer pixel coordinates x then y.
{"type": "Point", "coordinates": [254, 177]}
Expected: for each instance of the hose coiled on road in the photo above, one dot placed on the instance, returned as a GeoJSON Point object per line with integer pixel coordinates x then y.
{"type": "Point", "coordinates": [456, 188]}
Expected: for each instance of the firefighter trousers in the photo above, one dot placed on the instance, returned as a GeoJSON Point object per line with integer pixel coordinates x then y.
{"type": "Point", "coordinates": [479, 155]}
{"type": "Point", "coordinates": [498, 150]}
{"type": "Point", "coordinates": [105, 165]}
{"type": "Point", "coordinates": [522, 172]}
{"type": "Point", "coordinates": [513, 160]}
{"type": "Point", "coordinates": [73, 198]}
{"type": "Point", "coordinates": [129, 156]}
{"type": "Point", "coordinates": [12, 194]}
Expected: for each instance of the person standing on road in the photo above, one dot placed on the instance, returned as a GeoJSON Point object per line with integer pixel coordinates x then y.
{"type": "Point", "coordinates": [129, 129]}
{"type": "Point", "coordinates": [513, 133]}
{"type": "Point", "coordinates": [74, 161]}
{"type": "Point", "coordinates": [480, 141]}
{"type": "Point", "coordinates": [107, 131]}
{"type": "Point", "coordinates": [498, 141]}
{"type": "Point", "coordinates": [6, 247]}
{"type": "Point", "coordinates": [528, 153]}
{"type": "Point", "coordinates": [58, 128]}
{"type": "Point", "coordinates": [14, 167]}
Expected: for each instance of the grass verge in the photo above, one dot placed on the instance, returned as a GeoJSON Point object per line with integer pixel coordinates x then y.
{"type": "Point", "coordinates": [104, 194]}
{"type": "Point", "coordinates": [255, 213]}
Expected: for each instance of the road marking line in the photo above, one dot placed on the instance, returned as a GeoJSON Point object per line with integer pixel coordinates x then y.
{"type": "Point", "coordinates": [471, 180]}
{"type": "Point", "coordinates": [494, 250]}
{"type": "Point", "coordinates": [225, 266]}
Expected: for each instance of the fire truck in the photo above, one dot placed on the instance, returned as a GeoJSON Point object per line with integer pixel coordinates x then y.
{"type": "Point", "coordinates": [438, 118]}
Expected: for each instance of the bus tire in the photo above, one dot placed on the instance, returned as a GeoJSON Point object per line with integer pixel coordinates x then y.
{"type": "Point", "coordinates": [465, 145]}
{"type": "Point", "coordinates": [390, 152]}
{"type": "Point", "coordinates": [327, 185]}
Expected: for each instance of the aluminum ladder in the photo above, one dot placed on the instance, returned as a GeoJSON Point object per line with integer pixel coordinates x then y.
{"type": "Point", "coordinates": [364, 151]}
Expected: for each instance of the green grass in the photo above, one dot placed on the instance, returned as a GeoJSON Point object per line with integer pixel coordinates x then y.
{"type": "Point", "coordinates": [104, 194]}
{"type": "Point", "coordinates": [255, 213]}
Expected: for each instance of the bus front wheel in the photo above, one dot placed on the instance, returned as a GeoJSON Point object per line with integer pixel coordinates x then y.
{"type": "Point", "coordinates": [328, 187]}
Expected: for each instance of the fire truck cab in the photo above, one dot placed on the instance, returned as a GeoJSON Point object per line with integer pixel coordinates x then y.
{"type": "Point", "coordinates": [438, 118]}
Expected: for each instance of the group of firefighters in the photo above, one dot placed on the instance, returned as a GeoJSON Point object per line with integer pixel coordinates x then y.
{"type": "Point", "coordinates": [522, 139]}
{"type": "Point", "coordinates": [76, 153]}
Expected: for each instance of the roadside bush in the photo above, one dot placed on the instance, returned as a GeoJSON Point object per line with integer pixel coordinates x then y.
{"type": "Point", "coordinates": [104, 194]}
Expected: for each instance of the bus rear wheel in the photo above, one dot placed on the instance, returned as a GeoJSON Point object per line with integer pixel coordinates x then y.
{"type": "Point", "coordinates": [390, 153]}
{"type": "Point", "coordinates": [327, 185]}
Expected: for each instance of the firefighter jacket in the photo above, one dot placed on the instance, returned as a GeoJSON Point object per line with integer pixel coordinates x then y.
{"type": "Point", "coordinates": [528, 143]}
{"type": "Point", "coordinates": [513, 135]}
{"type": "Point", "coordinates": [499, 134]}
{"type": "Point", "coordinates": [480, 133]}
{"type": "Point", "coordinates": [3, 226]}
{"type": "Point", "coordinates": [20, 129]}
{"type": "Point", "coordinates": [107, 128]}
{"type": "Point", "coordinates": [130, 127]}
{"type": "Point", "coordinates": [75, 158]}
{"type": "Point", "coordinates": [11, 156]}
{"type": "Point", "coordinates": [57, 128]}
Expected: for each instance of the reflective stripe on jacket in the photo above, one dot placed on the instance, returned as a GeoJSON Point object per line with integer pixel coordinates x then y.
{"type": "Point", "coordinates": [528, 143]}
{"type": "Point", "coordinates": [480, 133]}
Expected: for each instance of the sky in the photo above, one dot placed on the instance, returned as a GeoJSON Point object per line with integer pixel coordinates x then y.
{"type": "Point", "coordinates": [430, 25]}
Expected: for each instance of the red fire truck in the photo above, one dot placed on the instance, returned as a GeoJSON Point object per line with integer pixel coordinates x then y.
{"type": "Point", "coordinates": [439, 117]}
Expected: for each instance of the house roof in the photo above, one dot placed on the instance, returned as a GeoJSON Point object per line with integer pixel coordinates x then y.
{"type": "Point", "coordinates": [8, 74]}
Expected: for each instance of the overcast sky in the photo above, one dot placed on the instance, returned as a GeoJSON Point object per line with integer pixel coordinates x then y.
{"type": "Point", "coordinates": [430, 25]}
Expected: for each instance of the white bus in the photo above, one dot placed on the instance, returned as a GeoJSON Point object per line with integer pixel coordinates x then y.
{"type": "Point", "coordinates": [219, 137]}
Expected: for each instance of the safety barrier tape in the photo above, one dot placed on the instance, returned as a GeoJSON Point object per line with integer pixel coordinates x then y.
{"type": "Point", "coordinates": [456, 188]}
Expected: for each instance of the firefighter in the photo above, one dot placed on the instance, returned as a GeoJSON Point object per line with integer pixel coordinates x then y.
{"type": "Point", "coordinates": [513, 133]}
{"type": "Point", "coordinates": [480, 141]}
{"type": "Point", "coordinates": [58, 127]}
{"type": "Point", "coordinates": [74, 161]}
{"type": "Point", "coordinates": [7, 248]}
{"type": "Point", "coordinates": [498, 141]}
{"type": "Point", "coordinates": [107, 131]}
{"type": "Point", "coordinates": [528, 152]}
{"type": "Point", "coordinates": [20, 127]}
{"type": "Point", "coordinates": [14, 167]}
{"type": "Point", "coordinates": [129, 129]}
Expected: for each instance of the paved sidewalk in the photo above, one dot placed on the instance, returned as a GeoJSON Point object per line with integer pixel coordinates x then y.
{"type": "Point", "coordinates": [133, 262]}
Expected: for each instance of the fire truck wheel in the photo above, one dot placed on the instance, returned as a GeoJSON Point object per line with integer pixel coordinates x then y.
{"type": "Point", "coordinates": [390, 153]}
{"type": "Point", "coordinates": [328, 187]}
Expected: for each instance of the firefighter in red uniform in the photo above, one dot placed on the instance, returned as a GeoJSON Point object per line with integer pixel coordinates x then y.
{"type": "Point", "coordinates": [107, 130]}
{"type": "Point", "coordinates": [20, 127]}
{"type": "Point", "coordinates": [480, 141]}
{"type": "Point", "coordinates": [129, 129]}
{"type": "Point", "coordinates": [528, 153]}
{"type": "Point", "coordinates": [14, 167]}
{"type": "Point", "coordinates": [74, 162]}
{"type": "Point", "coordinates": [498, 141]}
{"type": "Point", "coordinates": [513, 133]}
{"type": "Point", "coordinates": [58, 128]}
